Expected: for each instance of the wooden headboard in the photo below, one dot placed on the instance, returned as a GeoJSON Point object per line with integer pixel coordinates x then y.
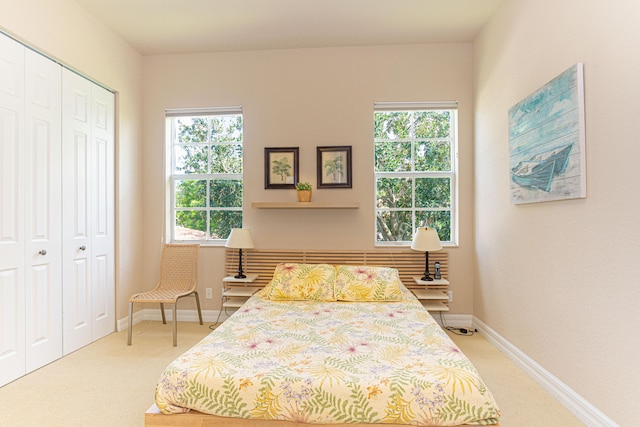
{"type": "Point", "coordinates": [263, 261]}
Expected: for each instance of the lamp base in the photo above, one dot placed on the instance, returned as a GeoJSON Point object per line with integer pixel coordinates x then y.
{"type": "Point", "coordinates": [240, 275]}
{"type": "Point", "coordinates": [427, 277]}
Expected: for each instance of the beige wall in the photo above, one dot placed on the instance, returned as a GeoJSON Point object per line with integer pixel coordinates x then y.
{"type": "Point", "coordinates": [560, 280]}
{"type": "Point", "coordinates": [67, 33]}
{"type": "Point", "coordinates": [308, 98]}
{"type": "Point", "coordinates": [556, 279]}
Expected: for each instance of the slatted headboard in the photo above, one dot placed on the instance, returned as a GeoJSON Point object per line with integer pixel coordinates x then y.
{"type": "Point", "coordinates": [263, 261]}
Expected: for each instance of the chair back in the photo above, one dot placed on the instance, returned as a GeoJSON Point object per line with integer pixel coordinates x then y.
{"type": "Point", "coordinates": [179, 267]}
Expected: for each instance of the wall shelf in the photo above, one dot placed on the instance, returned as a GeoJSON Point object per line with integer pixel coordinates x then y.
{"type": "Point", "coordinates": [305, 205]}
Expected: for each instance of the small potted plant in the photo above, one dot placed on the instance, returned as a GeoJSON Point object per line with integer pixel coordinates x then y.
{"type": "Point", "coordinates": [304, 191]}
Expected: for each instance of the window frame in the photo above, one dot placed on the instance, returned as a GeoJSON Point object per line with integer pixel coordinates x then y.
{"type": "Point", "coordinates": [452, 174]}
{"type": "Point", "coordinates": [170, 160]}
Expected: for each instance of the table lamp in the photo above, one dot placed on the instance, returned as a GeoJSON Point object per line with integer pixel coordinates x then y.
{"type": "Point", "coordinates": [239, 238]}
{"type": "Point", "coordinates": [426, 239]}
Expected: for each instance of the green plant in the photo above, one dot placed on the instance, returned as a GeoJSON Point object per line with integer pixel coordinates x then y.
{"type": "Point", "coordinates": [301, 186]}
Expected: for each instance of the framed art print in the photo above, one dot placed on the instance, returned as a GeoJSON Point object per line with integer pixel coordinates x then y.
{"type": "Point", "coordinates": [334, 167]}
{"type": "Point", "coordinates": [547, 141]}
{"type": "Point", "coordinates": [280, 167]}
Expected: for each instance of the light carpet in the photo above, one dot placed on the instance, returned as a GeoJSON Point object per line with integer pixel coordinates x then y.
{"type": "Point", "coordinates": [108, 383]}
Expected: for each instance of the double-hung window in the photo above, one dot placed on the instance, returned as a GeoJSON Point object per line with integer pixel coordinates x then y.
{"type": "Point", "coordinates": [205, 171]}
{"type": "Point", "coordinates": [415, 170]}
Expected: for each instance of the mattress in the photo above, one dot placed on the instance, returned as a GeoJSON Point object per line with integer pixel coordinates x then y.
{"type": "Point", "coordinates": [329, 362]}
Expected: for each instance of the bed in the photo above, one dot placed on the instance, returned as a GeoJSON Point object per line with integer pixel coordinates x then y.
{"type": "Point", "coordinates": [325, 344]}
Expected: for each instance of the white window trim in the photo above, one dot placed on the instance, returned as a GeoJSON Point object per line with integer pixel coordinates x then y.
{"type": "Point", "coordinates": [453, 174]}
{"type": "Point", "coordinates": [168, 222]}
{"type": "Point", "coordinates": [415, 106]}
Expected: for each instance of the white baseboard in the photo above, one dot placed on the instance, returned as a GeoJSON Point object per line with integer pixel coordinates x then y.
{"type": "Point", "coordinates": [576, 404]}
{"type": "Point", "coordinates": [453, 320]}
{"type": "Point", "coordinates": [208, 316]}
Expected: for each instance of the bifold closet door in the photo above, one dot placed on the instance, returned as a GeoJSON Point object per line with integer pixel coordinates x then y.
{"type": "Point", "coordinates": [30, 211]}
{"type": "Point", "coordinates": [43, 210]}
{"type": "Point", "coordinates": [103, 293]}
{"type": "Point", "coordinates": [12, 242]}
{"type": "Point", "coordinates": [88, 222]}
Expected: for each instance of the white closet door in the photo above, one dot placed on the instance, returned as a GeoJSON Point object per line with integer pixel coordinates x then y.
{"type": "Point", "coordinates": [43, 216]}
{"type": "Point", "coordinates": [12, 242]}
{"type": "Point", "coordinates": [88, 220]}
{"type": "Point", "coordinates": [102, 219]}
{"type": "Point", "coordinates": [57, 273]}
{"type": "Point", "coordinates": [76, 221]}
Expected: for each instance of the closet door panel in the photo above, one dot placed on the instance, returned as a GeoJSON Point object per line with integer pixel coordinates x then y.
{"type": "Point", "coordinates": [103, 224]}
{"type": "Point", "coordinates": [12, 270]}
{"type": "Point", "coordinates": [43, 329]}
{"type": "Point", "coordinates": [11, 155]}
{"type": "Point", "coordinates": [77, 184]}
{"type": "Point", "coordinates": [12, 353]}
{"type": "Point", "coordinates": [43, 205]}
{"type": "Point", "coordinates": [77, 305]}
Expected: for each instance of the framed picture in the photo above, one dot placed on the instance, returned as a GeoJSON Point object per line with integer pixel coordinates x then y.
{"type": "Point", "coordinates": [547, 141]}
{"type": "Point", "coordinates": [280, 167]}
{"type": "Point", "coordinates": [334, 167]}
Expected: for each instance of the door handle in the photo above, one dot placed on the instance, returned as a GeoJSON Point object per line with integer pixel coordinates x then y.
{"type": "Point", "coordinates": [43, 252]}
{"type": "Point", "coordinates": [83, 247]}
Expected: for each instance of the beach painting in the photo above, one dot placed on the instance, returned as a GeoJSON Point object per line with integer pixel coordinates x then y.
{"type": "Point", "coordinates": [547, 141]}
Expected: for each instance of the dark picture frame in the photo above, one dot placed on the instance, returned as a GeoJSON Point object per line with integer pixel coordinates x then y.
{"type": "Point", "coordinates": [334, 166]}
{"type": "Point", "coordinates": [281, 167]}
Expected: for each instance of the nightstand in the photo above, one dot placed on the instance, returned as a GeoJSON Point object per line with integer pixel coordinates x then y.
{"type": "Point", "coordinates": [434, 295]}
{"type": "Point", "coordinates": [236, 292]}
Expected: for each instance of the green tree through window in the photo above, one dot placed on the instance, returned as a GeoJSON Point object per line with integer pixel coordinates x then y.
{"type": "Point", "coordinates": [414, 171]}
{"type": "Point", "coordinates": [206, 175]}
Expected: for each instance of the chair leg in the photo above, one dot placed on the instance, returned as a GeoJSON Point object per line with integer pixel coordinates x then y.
{"type": "Point", "coordinates": [130, 323]}
{"type": "Point", "coordinates": [198, 305]}
{"type": "Point", "coordinates": [164, 320]}
{"type": "Point", "coordinates": [175, 325]}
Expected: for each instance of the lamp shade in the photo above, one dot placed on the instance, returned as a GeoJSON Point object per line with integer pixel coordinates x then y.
{"type": "Point", "coordinates": [239, 238]}
{"type": "Point", "coordinates": [426, 239]}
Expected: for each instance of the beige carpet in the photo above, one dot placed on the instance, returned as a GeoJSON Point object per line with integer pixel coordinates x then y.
{"type": "Point", "coordinates": [110, 384]}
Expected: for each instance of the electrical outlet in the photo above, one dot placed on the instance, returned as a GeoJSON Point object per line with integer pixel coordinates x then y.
{"type": "Point", "coordinates": [450, 296]}
{"type": "Point", "coordinates": [209, 294]}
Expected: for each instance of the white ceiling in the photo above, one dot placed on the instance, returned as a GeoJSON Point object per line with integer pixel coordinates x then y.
{"type": "Point", "coordinates": [188, 26]}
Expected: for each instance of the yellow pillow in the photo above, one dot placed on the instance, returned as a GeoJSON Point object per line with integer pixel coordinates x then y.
{"type": "Point", "coordinates": [366, 283]}
{"type": "Point", "coordinates": [300, 282]}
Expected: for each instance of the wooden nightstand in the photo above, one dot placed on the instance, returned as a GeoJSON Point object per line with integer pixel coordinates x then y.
{"type": "Point", "coordinates": [236, 292]}
{"type": "Point", "coordinates": [433, 295]}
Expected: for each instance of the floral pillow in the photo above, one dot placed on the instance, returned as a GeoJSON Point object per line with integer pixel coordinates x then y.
{"type": "Point", "coordinates": [299, 282]}
{"type": "Point", "coordinates": [367, 283]}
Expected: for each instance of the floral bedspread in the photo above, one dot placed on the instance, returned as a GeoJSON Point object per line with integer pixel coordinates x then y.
{"type": "Point", "coordinates": [329, 362]}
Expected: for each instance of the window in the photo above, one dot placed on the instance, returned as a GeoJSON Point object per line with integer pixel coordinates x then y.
{"type": "Point", "coordinates": [205, 151]}
{"type": "Point", "coordinates": [415, 170]}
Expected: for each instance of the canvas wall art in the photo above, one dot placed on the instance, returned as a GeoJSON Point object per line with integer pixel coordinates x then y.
{"type": "Point", "coordinates": [547, 141]}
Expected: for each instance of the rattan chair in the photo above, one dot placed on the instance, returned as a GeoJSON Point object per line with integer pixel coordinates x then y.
{"type": "Point", "coordinates": [178, 278]}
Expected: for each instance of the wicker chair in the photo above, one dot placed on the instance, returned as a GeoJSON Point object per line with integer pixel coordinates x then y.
{"type": "Point", "coordinates": [178, 278]}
